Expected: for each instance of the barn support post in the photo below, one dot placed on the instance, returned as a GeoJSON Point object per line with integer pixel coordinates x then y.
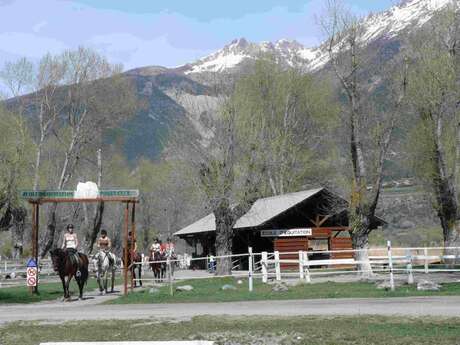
{"type": "Point", "coordinates": [301, 272]}
{"type": "Point", "coordinates": [390, 265]}
{"type": "Point", "coordinates": [126, 250]}
{"type": "Point", "coordinates": [410, 276]}
{"type": "Point", "coordinates": [251, 258]}
{"type": "Point", "coordinates": [277, 265]}
{"type": "Point", "coordinates": [264, 267]}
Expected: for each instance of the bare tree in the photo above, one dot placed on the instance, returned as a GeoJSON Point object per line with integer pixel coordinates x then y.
{"type": "Point", "coordinates": [434, 89]}
{"type": "Point", "coordinates": [94, 225]}
{"type": "Point", "coordinates": [347, 60]}
{"type": "Point", "coordinates": [95, 97]}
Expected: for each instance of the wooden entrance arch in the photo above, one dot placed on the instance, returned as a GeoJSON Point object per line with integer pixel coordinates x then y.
{"type": "Point", "coordinates": [128, 197]}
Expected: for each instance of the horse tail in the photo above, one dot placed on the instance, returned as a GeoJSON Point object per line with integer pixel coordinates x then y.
{"type": "Point", "coordinates": [84, 273]}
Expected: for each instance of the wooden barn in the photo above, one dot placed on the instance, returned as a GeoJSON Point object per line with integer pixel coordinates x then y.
{"type": "Point", "coordinates": [313, 220]}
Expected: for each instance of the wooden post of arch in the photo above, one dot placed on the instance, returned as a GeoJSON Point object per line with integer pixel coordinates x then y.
{"type": "Point", "coordinates": [35, 225]}
{"type": "Point", "coordinates": [126, 250]}
{"type": "Point", "coordinates": [133, 239]}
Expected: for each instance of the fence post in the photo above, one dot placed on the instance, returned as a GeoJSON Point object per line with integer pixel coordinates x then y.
{"type": "Point", "coordinates": [410, 277]}
{"type": "Point", "coordinates": [168, 263]}
{"type": "Point", "coordinates": [390, 264]}
{"type": "Point", "coordinates": [264, 267]}
{"type": "Point", "coordinates": [425, 253]}
{"type": "Point", "coordinates": [142, 265]}
{"type": "Point", "coordinates": [307, 267]}
{"type": "Point", "coordinates": [277, 265]}
{"type": "Point", "coordinates": [250, 269]}
{"type": "Point", "coordinates": [301, 273]}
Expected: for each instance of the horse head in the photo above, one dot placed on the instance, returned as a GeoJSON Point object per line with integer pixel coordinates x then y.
{"type": "Point", "coordinates": [57, 258]}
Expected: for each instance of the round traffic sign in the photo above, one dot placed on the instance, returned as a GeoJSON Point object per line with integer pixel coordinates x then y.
{"type": "Point", "coordinates": [31, 271]}
{"type": "Point", "coordinates": [31, 281]}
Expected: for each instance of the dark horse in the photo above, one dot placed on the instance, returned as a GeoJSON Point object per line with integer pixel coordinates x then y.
{"type": "Point", "coordinates": [136, 259]}
{"type": "Point", "coordinates": [158, 268]}
{"type": "Point", "coordinates": [66, 267]}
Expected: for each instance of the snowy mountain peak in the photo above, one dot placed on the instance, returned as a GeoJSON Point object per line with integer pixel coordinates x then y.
{"type": "Point", "coordinates": [407, 15]}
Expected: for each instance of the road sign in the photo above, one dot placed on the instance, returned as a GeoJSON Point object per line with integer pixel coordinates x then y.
{"type": "Point", "coordinates": [31, 263]}
{"type": "Point", "coordinates": [32, 276]}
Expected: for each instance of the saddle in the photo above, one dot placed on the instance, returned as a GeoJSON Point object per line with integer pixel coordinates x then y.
{"type": "Point", "coordinates": [74, 257]}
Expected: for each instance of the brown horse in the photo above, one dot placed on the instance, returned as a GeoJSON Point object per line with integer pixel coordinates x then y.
{"type": "Point", "coordinates": [66, 267]}
{"type": "Point", "coordinates": [158, 268]}
{"type": "Point", "coordinates": [136, 259]}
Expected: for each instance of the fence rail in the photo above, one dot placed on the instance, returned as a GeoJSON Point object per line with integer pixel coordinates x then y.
{"type": "Point", "coordinates": [275, 265]}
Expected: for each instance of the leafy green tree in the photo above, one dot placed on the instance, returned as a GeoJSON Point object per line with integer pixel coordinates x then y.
{"type": "Point", "coordinates": [434, 98]}
{"type": "Point", "coordinates": [16, 149]}
{"type": "Point", "coordinates": [288, 117]}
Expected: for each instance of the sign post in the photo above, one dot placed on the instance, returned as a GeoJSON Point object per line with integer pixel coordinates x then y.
{"type": "Point", "coordinates": [32, 275]}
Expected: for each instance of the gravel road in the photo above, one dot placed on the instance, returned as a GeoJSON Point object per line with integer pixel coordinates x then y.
{"type": "Point", "coordinates": [82, 310]}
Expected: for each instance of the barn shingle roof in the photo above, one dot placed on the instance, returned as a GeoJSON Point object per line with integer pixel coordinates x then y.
{"type": "Point", "coordinates": [261, 212]}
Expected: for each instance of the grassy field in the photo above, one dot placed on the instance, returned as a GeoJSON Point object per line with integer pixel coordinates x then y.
{"type": "Point", "coordinates": [210, 290]}
{"type": "Point", "coordinates": [241, 330]}
{"type": "Point", "coordinates": [47, 291]}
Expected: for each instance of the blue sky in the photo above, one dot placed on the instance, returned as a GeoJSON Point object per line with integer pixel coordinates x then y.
{"type": "Point", "coordinates": [154, 32]}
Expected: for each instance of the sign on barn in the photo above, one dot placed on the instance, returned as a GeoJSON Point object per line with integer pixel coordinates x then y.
{"type": "Point", "coordinates": [286, 232]}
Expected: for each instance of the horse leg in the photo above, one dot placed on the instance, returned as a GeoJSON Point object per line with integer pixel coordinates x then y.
{"type": "Point", "coordinates": [67, 287]}
{"type": "Point", "coordinates": [63, 286]}
{"type": "Point", "coordinates": [82, 281]}
{"type": "Point", "coordinates": [113, 278]}
{"type": "Point", "coordinates": [106, 279]}
{"type": "Point", "coordinates": [99, 282]}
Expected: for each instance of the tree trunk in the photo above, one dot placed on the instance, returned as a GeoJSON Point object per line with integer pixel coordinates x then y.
{"type": "Point", "coordinates": [360, 229]}
{"type": "Point", "coordinates": [224, 237]}
{"type": "Point", "coordinates": [48, 238]}
{"type": "Point", "coordinates": [92, 232]}
{"type": "Point", "coordinates": [17, 231]}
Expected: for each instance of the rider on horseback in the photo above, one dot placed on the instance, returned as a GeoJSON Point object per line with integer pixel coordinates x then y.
{"type": "Point", "coordinates": [169, 248]}
{"type": "Point", "coordinates": [155, 247]}
{"type": "Point", "coordinates": [105, 245]}
{"type": "Point", "coordinates": [70, 244]}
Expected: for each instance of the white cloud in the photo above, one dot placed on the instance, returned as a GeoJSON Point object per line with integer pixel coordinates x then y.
{"type": "Point", "coordinates": [133, 51]}
{"type": "Point", "coordinates": [31, 45]}
{"type": "Point", "coordinates": [40, 25]}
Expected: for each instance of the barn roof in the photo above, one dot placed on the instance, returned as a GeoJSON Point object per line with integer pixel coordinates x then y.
{"type": "Point", "coordinates": [261, 212]}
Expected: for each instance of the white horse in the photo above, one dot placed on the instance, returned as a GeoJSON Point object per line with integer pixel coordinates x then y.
{"type": "Point", "coordinates": [103, 266]}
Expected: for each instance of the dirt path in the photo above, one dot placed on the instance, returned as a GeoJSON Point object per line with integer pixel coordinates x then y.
{"type": "Point", "coordinates": [81, 310]}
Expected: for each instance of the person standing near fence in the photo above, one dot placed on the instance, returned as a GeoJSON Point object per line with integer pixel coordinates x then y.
{"type": "Point", "coordinates": [212, 264]}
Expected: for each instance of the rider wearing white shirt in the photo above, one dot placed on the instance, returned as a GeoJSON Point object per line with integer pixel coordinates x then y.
{"type": "Point", "coordinates": [70, 243]}
{"type": "Point", "coordinates": [155, 247]}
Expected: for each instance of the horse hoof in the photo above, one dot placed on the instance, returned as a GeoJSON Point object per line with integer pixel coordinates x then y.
{"type": "Point", "coordinates": [101, 293]}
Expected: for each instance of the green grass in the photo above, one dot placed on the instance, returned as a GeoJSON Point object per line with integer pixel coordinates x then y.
{"type": "Point", "coordinates": [245, 330]}
{"type": "Point", "coordinates": [209, 290]}
{"type": "Point", "coordinates": [47, 291]}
